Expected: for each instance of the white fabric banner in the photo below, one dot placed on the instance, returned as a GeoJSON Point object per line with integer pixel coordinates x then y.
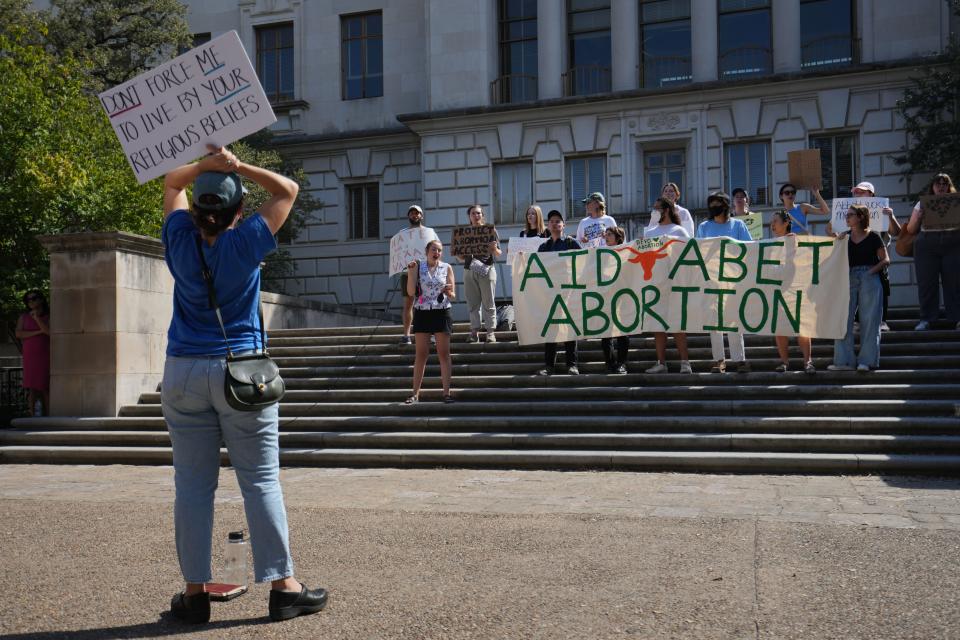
{"type": "Point", "coordinates": [795, 285]}
{"type": "Point", "coordinates": [167, 116]}
{"type": "Point", "coordinates": [517, 247]}
{"type": "Point", "coordinates": [878, 221]}
{"type": "Point", "coordinates": [409, 245]}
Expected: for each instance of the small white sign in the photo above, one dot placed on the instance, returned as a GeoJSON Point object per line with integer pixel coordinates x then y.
{"type": "Point", "coordinates": [167, 116]}
{"type": "Point", "coordinates": [878, 221]}
{"type": "Point", "coordinates": [518, 245]}
{"type": "Point", "coordinates": [409, 245]}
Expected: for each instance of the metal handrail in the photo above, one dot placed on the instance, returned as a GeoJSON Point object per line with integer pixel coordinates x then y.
{"type": "Point", "coordinates": [759, 60]}
{"type": "Point", "coordinates": [13, 397]}
{"type": "Point", "coordinates": [515, 87]}
{"type": "Point", "coordinates": [586, 79]}
{"type": "Point", "coordinates": [682, 64]}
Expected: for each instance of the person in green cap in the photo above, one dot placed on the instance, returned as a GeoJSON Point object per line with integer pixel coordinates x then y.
{"type": "Point", "coordinates": [590, 230]}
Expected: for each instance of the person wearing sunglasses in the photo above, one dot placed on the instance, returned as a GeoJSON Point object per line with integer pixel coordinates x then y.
{"type": "Point", "coordinates": [798, 211]}
{"type": "Point", "coordinates": [33, 332]}
{"type": "Point", "coordinates": [936, 254]}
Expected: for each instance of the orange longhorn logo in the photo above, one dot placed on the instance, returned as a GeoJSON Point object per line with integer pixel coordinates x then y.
{"type": "Point", "coordinates": [646, 259]}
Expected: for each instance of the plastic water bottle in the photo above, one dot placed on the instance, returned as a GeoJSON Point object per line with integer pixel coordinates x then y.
{"type": "Point", "coordinates": [235, 560]}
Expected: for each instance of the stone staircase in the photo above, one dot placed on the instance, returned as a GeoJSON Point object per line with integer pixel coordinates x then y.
{"type": "Point", "coordinates": [346, 386]}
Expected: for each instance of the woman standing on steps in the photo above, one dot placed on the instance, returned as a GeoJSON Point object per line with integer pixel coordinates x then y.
{"type": "Point", "coordinates": [936, 256]}
{"type": "Point", "coordinates": [430, 284]}
{"type": "Point", "coordinates": [780, 226]}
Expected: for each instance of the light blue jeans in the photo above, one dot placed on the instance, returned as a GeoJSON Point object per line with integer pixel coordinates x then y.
{"type": "Point", "coordinates": [198, 420]}
{"type": "Point", "coordinates": [866, 292]}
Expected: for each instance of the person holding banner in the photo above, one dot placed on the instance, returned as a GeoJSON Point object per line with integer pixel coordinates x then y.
{"type": "Point", "coordinates": [558, 242]}
{"type": "Point", "coordinates": [194, 405]}
{"type": "Point", "coordinates": [781, 225]}
{"type": "Point", "coordinates": [668, 226]}
{"type": "Point", "coordinates": [430, 285]}
{"type": "Point", "coordinates": [480, 283]}
{"type": "Point", "coordinates": [867, 257]}
{"type": "Point", "coordinates": [865, 190]}
{"type": "Point", "coordinates": [616, 359]}
{"type": "Point", "coordinates": [590, 230]}
{"type": "Point", "coordinates": [798, 211]}
{"type": "Point", "coordinates": [534, 227]}
{"type": "Point", "coordinates": [936, 254]}
{"type": "Point", "coordinates": [415, 219]}
{"type": "Point", "coordinates": [671, 192]}
{"type": "Point", "coordinates": [721, 225]}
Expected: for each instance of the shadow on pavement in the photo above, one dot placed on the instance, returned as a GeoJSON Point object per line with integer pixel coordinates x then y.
{"type": "Point", "coordinates": [165, 626]}
{"type": "Point", "coordinates": [933, 483]}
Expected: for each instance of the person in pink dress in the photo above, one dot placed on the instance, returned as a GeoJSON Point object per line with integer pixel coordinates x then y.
{"type": "Point", "coordinates": [33, 331]}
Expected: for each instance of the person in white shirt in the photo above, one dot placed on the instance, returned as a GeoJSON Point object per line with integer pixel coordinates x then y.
{"type": "Point", "coordinates": [669, 226]}
{"type": "Point", "coordinates": [671, 192]}
{"type": "Point", "coordinates": [590, 230]}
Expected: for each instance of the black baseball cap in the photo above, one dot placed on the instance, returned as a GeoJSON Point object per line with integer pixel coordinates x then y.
{"type": "Point", "coordinates": [554, 212]}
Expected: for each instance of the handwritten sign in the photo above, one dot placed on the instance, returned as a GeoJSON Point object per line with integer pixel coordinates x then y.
{"type": "Point", "coordinates": [168, 115]}
{"type": "Point", "coordinates": [804, 168]}
{"type": "Point", "coordinates": [409, 245]}
{"type": "Point", "coordinates": [941, 213]}
{"type": "Point", "coordinates": [878, 221]}
{"type": "Point", "coordinates": [754, 222]}
{"type": "Point", "coordinates": [519, 246]}
{"type": "Point", "coordinates": [473, 241]}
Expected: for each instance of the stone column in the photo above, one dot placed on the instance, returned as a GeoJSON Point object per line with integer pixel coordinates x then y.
{"type": "Point", "coordinates": [551, 52]}
{"type": "Point", "coordinates": [111, 299]}
{"type": "Point", "coordinates": [786, 35]}
{"type": "Point", "coordinates": [703, 39]}
{"type": "Point", "coordinates": [625, 26]}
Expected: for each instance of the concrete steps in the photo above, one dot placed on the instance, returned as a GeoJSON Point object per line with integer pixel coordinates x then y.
{"type": "Point", "coordinates": [346, 386]}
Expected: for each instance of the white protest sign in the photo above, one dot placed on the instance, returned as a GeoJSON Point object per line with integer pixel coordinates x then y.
{"type": "Point", "coordinates": [518, 245]}
{"type": "Point", "coordinates": [878, 221]}
{"type": "Point", "coordinates": [409, 245]}
{"type": "Point", "coordinates": [167, 116]}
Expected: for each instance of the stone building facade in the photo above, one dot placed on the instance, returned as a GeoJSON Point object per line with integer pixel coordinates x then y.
{"type": "Point", "coordinates": [447, 103]}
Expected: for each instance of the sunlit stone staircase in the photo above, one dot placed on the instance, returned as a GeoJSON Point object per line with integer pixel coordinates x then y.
{"type": "Point", "coordinates": [346, 386]}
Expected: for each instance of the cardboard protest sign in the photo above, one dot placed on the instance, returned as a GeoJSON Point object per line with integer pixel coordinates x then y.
{"type": "Point", "coordinates": [167, 116]}
{"type": "Point", "coordinates": [804, 168]}
{"type": "Point", "coordinates": [795, 285]}
{"type": "Point", "coordinates": [518, 246]}
{"type": "Point", "coordinates": [878, 221]}
{"type": "Point", "coordinates": [754, 222]}
{"type": "Point", "coordinates": [473, 241]}
{"type": "Point", "coordinates": [941, 213]}
{"type": "Point", "coordinates": [409, 245]}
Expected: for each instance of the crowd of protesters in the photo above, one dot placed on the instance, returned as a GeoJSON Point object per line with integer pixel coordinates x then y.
{"type": "Point", "coordinates": [937, 258]}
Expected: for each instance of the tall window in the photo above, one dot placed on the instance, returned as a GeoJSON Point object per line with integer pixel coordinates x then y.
{"type": "Point", "coordinates": [838, 163]}
{"type": "Point", "coordinates": [275, 60]}
{"type": "Point", "coordinates": [661, 167]}
{"type": "Point", "coordinates": [747, 165]}
{"type": "Point", "coordinates": [361, 56]}
{"type": "Point", "coordinates": [664, 42]}
{"type": "Point", "coordinates": [826, 32]}
{"type": "Point", "coordinates": [512, 191]}
{"type": "Point", "coordinates": [584, 176]}
{"type": "Point", "coordinates": [518, 52]}
{"type": "Point", "coordinates": [363, 210]}
{"type": "Point", "coordinates": [744, 33]}
{"type": "Point", "coordinates": [588, 24]}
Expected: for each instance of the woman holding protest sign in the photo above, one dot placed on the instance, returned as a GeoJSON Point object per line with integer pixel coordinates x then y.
{"type": "Point", "coordinates": [616, 359]}
{"type": "Point", "coordinates": [867, 257]}
{"type": "Point", "coordinates": [430, 284]}
{"type": "Point", "coordinates": [936, 253]}
{"type": "Point", "coordinates": [534, 226]}
{"type": "Point", "coordinates": [669, 226]}
{"type": "Point", "coordinates": [480, 283]}
{"type": "Point", "coordinates": [781, 225]}
{"type": "Point", "coordinates": [798, 211]}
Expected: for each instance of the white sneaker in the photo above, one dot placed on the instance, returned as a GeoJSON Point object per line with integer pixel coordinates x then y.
{"type": "Point", "coordinates": [473, 338]}
{"type": "Point", "coordinates": [884, 326]}
{"type": "Point", "coordinates": [923, 325]}
{"type": "Point", "coordinates": [862, 368]}
{"type": "Point", "coordinates": [839, 367]}
{"type": "Point", "coordinates": [491, 337]}
{"type": "Point", "coordinates": [658, 368]}
{"type": "Point", "coordinates": [685, 366]}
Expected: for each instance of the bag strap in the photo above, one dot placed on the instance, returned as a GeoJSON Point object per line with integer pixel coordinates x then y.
{"type": "Point", "coordinates": [212, 301]}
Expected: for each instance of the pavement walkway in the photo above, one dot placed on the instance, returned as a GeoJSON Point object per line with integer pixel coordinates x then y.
{"type": "Point", "coordinates": [88, 553]}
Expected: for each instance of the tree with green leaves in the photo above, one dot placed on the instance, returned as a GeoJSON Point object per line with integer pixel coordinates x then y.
{"type": "Point", "coordinates": [931, 111]}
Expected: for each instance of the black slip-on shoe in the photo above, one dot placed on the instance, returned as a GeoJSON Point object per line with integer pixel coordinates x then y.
{"type": "Point", "coordinates": [285, 605]}
{"type": "Point", "coordinates": [194, 609]}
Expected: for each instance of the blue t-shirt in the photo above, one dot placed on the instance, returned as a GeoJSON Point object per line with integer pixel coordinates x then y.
{"type": "Point", "coordinates": [234, 260]}
{"type": "Point", "coordinates": [732, 228]}
{"type": "Point", "coordinates": [799, 219]}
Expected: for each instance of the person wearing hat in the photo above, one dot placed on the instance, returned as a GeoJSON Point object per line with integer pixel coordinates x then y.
{"type": "Point", "coordinates": [721, 225]}
{"type": "Point", "coordinates": [558, 242]}
{"type": "Point", "coordinates": [866, 190]}
{"type": "Point", "coordinates": [590, 230]}
{"type": "Point", "coordinates": [192, 392]}
{"type": "Point", "coordinates": [415, 218]}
